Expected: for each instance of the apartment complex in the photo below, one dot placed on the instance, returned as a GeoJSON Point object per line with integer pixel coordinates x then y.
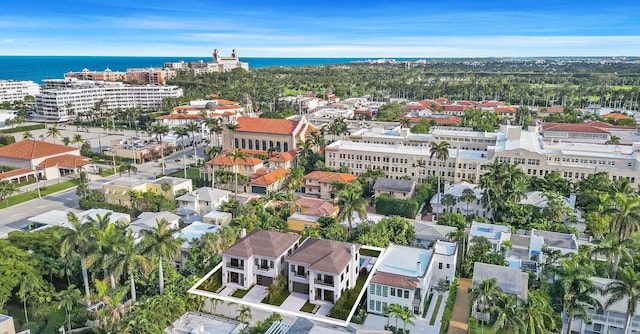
{"type": "Point", "coordinates": [398, 153]}
{"type": "Point", "coordinates": [216, 65]}
{"type": "Point", "coordinates": [406, 275]}
{"type": "Point", "coordinates": [154, 76]}
{"type": "Point", "coordinates": [11, 91]}
{"type": "Point", "coordinates": [64, 99]}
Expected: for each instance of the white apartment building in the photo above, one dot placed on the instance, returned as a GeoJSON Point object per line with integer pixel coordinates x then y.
{"type": "Point", "coordinates": [406, 275]}
{"type": "Point", "coordinates": [398, 153]}
{"type": "Point", "coordinates": [11, 91]}
{"type": "Point", "coordinates": [257, 258]}
{"type": "Point", "coordinates": [67, 98]}
{"type": "Point", "coordinates": [323, 269]}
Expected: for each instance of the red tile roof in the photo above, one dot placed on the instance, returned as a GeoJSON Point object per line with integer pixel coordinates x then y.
{"type": "Point", "coordinates": [552, 110]}
{"type": "Point", "coordinates": [262, 243]}
{"type": "Point", "coordinates": [573, 127]}
{"type": "Point", "coordinates": [180, 116]}
{"type": "Point", "coordinates": [65, 160]}
{"type": "Point", "coordinates": [270, 178]}
{"type": "Point", "coordinates": [284, 157]}
{"type": "Point", "coordinates": [33, 149]}
{"type": "Point", "coordinates": [329, 177]}
{"type": "Point", "coordinates": [324, 255]}
{"type": "Point", "coordinates": [225, 160]}
{"type": "Point", "coordinates": [222, 102]}
{"type": "Point", "coordinates": [505, 110]}
{"type": "Point", "coordinates": [615, 116]}
{"type": "Point", "coordinates": [266, 125]}
{"type": "Point", "coordinates": [400, 281]}
{"type": "Point", "coordinates": [15, 172]}
{"type": "Point", "coordinates": [451, 120]}
{"type": "Point", "coordinates": [454, 108]}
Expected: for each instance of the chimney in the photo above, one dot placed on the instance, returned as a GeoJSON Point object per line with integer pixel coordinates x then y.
{"type": "Point", "coordinates": [353, 250]}
{"type": "Point", "coordinates": [243, 233]}
{"type": "Point", "coordinates": [404, 132]}
{"type": "Point", "coordinates": [418, 267]}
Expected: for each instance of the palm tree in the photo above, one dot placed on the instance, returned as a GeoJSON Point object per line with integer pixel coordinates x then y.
{"type": "Point", "coordinates": [613, 140]}
{"type": "Point", "coordinates": [235, 155]}
{"type": "Point", "coordinates": [244, 313]}
{"type": "Point", "coordinates": [159, 242]}
{"type": "Point", "coordinates": [626, 286]}
{"type": "Point", "coordinates": [181, 133]}
{"type": "Point", "coordinates": [126, 258]}
{"type": "Point", "coordinates": [484, 296]}
{"type": "Point", "coordinates": [407, 317]}
{"type": "Point", "coordinates": [350, 202]}
{"type": "Point", "coordinates": [77, 139]}
{"type": "Point", "coordinates": [615, 251]}
{"type": "Point", "coordinates": [441, 152]}
{"type": "Point", "coordinates": [210, 154]}
{"type": "Point", "coordinates": [625, 212]}
{"type": "Point", "coordinates": [29, 283]}
{"type": "Point", "coordinates": [468, 196]}
{"type": "Point", "coordinates": [405, 123]}
{"type": "Point", "coordinates": [66, 141]}
{"type": "Point", "coordinates": [159, 131]}
{"type": "Point", "coordinates": [293, 180]}
{"type": "Point", "coordinates": [54, 133]}
{"type": "Point", "coordinates": [193, 127]}
{"type": "Point", "coordinates": [537, 314]}
{"type": "Point", "coordinates": [214, 128]}
{"type": "Point", "coordinates": [449, 200]}
{"type": "Point", "coordinates": [107, 238]}
{"type": "Point", "coordinates": [577, 289]}
{"type": "Point", "coordinates": [317, 139]}
{"type": "Point", "coordinates": [27, 135]}
{"type": "Point", "coordinates": [232, 127]}
{"type": "Point", "coordinates": [509, 312]}
{"type": "Point", "coordinates": [79, 238]}
{"type": "Point", "coordinates": [395, 311]}
{"type": "Point", "coordinates": [68, 299]}
{"type": "Point", "coordinates": [128, 167]}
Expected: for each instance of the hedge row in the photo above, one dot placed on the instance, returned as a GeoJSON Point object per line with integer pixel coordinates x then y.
{"type": "Point", "coordinates": [387, 205]}
{"type": "Point", "coordinates": [23, 128]}
{"type": "Point", "coordinates": [7, 140]}
{"type": "Point", "coordinates": [448, 308]}
{"type": "Point", "coordinates": [86, 204]}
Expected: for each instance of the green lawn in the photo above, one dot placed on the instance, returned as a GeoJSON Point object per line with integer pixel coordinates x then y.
{"type": "Point", "coordinates": [43, 320]}
{"type": "Point", "coordinates": [213, 283]}
{"type": "Point", "coordinates": [192, 173]}
{"type": "Point", "coordinates": [239, 293]}
{"type": "Point", "coordinates": [346, 301]}
{"type": "Point", "coordinates": [369, 252]}
{"type": "Point", "coordinates": [434, 315]}
{"type": "Point", "coordinates": [308, 307]}
{"type": "Point", "coordinates": [44, 190]}
{"type": "Point", "coordinates": [277, 300]}
{"type": "Point", "coordinates": [426, 305]}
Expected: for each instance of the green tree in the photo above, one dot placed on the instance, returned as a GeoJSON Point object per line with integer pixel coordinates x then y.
{"type": "Point", "coordinates": [30, 285]}
{"type": "Point", "coordinates": [509, 314]}
{"type": "Point", "coordinates": [79, 239]}
{"type": "Point", "coordinates": [7, 188]}
{"type": "Point", "coordinates": [627, 286]}
{"type": "Point", "coordinates": [468, 196]}
{"type": "Point", "coordinates": [235, 155]}
{"type": "Point", "coordinates": [54, 133]}
{"type": "Point", "coordinates": [578, 290]}
{"type": "Point", "coordinates": [193, 127]}
{"type": "Point", "coordinates": [243, 313]}
{"type": "Point", "coordinates": [293, 180]}
{"type": "Point", "coordinates": [158, 130]}
{"type": "Point", "coordinates": [350, 202]}
{"type": "Point", "coordinates": [449, 200]}
{"type": "Point", "coordinates": [613, 140]}
{"type": "Point", "coordinates": [27, 135]}
{"type": "Point", "coordinates": [537, 314]}
{"type": "Point", "coordinates": [159, 242]}
{"type": "Point", "coordinates": [484, 296]}
{"type": "Point", "coordinates": [181, 133]}
{"type": "Point", "coordinates": [126, 259]}
{"type": "Point", "coordinates": [441, 152]}
{"type": "Point", "coordinates": [67, 300]}
{"type": "Point", "coordinates": [407, 317]}
{"type": "Point", "coordinates": [625, 213]}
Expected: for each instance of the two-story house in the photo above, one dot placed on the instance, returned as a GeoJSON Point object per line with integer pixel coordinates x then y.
{"type": "Point", "coordinates": [257, 258]}
{"type": "Point", "coordinates": [245, 166]}
{"type": "Point", "coordinates": [400, 189]}
{"type": "Point", "coordinates": [405, 275]}
{"type": "Point", "coordinates": [203, 200]}
{"type": "Point", "coordinates": [323, 269]}
{"type": "Point", "coordinates": [283, 160]}
{"type": "Point", "coordinates": [307, 212]}
{"type": "Point", "coordinates": [117, 190]}
{"type": "Point", "coordinates": [318, 183]}
{"type": "Point", "coordinates": [496, 234]}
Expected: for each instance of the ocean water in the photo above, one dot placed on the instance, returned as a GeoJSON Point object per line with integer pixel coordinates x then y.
{"type": "Point", "coordinates": [38, 68]}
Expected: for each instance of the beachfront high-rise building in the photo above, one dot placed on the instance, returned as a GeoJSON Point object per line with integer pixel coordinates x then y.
{"type": "Point", "coordinates": [217, 65]}
{"type": "Point", "coordinates": [11, 91]}
{"type": "Point", "coordinates": [65, 99]}
{"type": "Point", "coordinates": [153, 76]}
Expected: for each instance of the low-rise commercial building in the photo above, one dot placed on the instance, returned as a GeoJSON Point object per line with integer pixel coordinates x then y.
{"type": "Point", "coordinates": [48, 160]}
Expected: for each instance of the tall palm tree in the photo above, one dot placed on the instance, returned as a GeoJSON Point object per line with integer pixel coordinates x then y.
{"type": "Point", "coordinates": [293, 180]}
{"type": "Point", "coordinates": [30, 282]}
{"type": "Point", "coordinates": [27, 135]}
{"type": "Point", "coordinates": [214, 129]}
{"type": "Point", "coordinates": [54, 133]}
{"type": "Point", "coordinates": [537, 314]}
{"type": "Point", "coordinates": [193, 127]}
{"type": "Point", "coordinates": [79, 238]}
{"type": "Point", "coordinates": [577, 289]}
{"type": "Point", "coordinates": [509, 312]}
{"type": "Point", "coordinates": [350, 202]}
{"type": "Point", "coordinates": [68, 299]}
{"type": "Point", "coordinates": [441, 152]}
{"type": "Point", "coordinates": [107, 236]}
{"type": "Point", "coordinates": [127, 167]}
{"type": "Point", "coordinates": [77, 139]}
{"type": "Point", "coordinates": [615, 251]}
{"type": "Point", "coordinates": [626, 286]}
{"type": "Point", "coordinates": [407, 317]}
{"type": "Point", "coordinates": [126, 258]}
{"type": "Point", "coordinates": [317, 139]}
{"type": "Point", "coordinates": [449, 200]}
{"type": "Point", "coordinates": [160, 131]}
{"type": "Point", "coordinates": [235, 155]}
{"type": "Point", "coordinates": [484, 296]}
{"type": "Point", "coordinates": [66, 141]}
{"type": "Point", "coordinates": [159, 242]}
{"type": "Point", "coordinates": [625, 212]}
{"type": "Point", "coordinates": [468, 196]}
{"type": "Point", "coordinates": [233, 127]}
{"type": "Point", "coordinates": [210, 154]}
{"type": "Point", "coordinates": [181, 133]}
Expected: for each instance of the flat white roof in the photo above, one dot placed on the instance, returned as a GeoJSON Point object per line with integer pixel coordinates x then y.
{"type": "Point", "coordinates": [418, 151]}
{"type": "Point", "coordinates": [403, 260]}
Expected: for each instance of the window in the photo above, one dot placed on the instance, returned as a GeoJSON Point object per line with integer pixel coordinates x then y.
{"type": "Point", "coordinates": [235, 142]}
{"type": "Point", "coordinates": [293, 268]}
{"type": "Point", "coordinates": [439, 265]}
{"type": "Point", "coordinates": [372, 289]}
{"type": "Point", "coordinates": [271, 264]}
{"type": "Point", "coordinates": [393, 292]}
{"type": "Point", "coordinates": [384, 291]}
{"type": "Point", "coordinates": [378, 290]}
{"type": "Point", "coordinates": [378, 306]}
{"type": "Point", "coordinates": [448, 265]}
{"type": "Point", "coordinates": [406, 294]}
{"type": "Point", "coordinates": [243, 143]}
{"type": "Point", "coordinates": [372, 304]}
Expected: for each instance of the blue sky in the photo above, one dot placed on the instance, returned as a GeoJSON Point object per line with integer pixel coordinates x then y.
{"type": "Point", "coordinates": [273, 28]}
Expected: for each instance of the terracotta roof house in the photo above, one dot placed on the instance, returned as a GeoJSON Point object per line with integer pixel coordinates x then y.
{"type": "Point", "coordinates": [48, 159]}
{"type": "Point", "coordinates": [246, 166]}
{"type": "Point", "coordinates": [261, 134]}
{"type": "Point", "coordinates": [307, 212]}
{"type": "Point", "coordinates": [257, 258]}
{"type": "Point", "coordinates": [284, 159]}
{"type": "Point", "coordinates": [318, 183]}
{"type": "Point", "coordinates": [323, 269]}
{"type": "Point", "coordinates": [268, 180]}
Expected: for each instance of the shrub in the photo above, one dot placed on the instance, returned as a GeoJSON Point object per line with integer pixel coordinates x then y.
{"type": "Point", "coordinates": [448, 308]}
{"type": "Point", "coordinates": [7, 140]}
{"type": "Point", "coordinates": [86, 204]}
{"type": "Point", "coordinates": [387, 205]}
{"type": "Point", "coordinates": [23, 128]}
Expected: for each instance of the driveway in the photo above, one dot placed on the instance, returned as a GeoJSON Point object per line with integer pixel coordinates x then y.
{"type": "Point", "coordinates": [256, 295]}
{"type": "Point", "coordinates": [295, 301]}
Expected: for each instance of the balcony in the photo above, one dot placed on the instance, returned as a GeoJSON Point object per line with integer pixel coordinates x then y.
{"type": "Point", "coordinates": [299, 274]}
{"type": "Point", "coordinates": [262, 268]}
{"type": "Point", "coordinates": [324, 282]}
{"type": "Point", "coordinates": [235, 265]}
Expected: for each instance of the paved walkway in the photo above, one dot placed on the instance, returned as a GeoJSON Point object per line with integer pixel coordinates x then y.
{"type": "Point", "coordinates": [295, 301]}
{"type": "Point", "coordinates": [460, 316]}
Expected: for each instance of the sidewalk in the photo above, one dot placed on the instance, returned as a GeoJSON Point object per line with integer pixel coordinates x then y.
{"type": "Point", "coordinates": [460, 316]}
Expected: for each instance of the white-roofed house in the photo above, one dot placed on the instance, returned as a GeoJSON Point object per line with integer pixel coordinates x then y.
{"type": "Point", "coordinates": [405, 275]}
{"type": "Point", "coordinates": [496, 234]}
{"type": "Point", "coordinates": [473, 207]}
{"type": "Point", "coordinates": [149, 220]}
{"type": "Point", "coordinates": [203, 200]}
{"type": "Point", "coordinates": [400, 189]}
{"type": "Point", "coordinates": [510, 280]}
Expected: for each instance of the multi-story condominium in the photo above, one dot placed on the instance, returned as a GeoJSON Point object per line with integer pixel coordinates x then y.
{"type": "Point", "coordinates": [153, 76]}
{"type": "Point", "coordinates": [603, 321]}
{"type": "Point", "coordinates": [407, 274]}
{"type": "Point", "coordinates": [117, 190]}
{"type": "Point", "coordinates": [257, 258]}
{"type": "Point", "coordinates": [262, 134]}
{"type": "Point", "coordinates": [68, 98]}
{"type": "Point", "coordinates": [399, 155]}
{"type": "Point", "coordinates": [11, 91]}
{"type": "Point", "coordinates": [323, 269]}
{"type": "Point", "coordinates": [106, 75]}
{"type": "Point", "coordinates": [217, 65]}
{"type": "Point", "coordinates": [319, 183]}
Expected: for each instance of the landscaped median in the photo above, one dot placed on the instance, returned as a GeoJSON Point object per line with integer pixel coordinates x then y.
{"type": "Point", "coordinates": [44, 191]}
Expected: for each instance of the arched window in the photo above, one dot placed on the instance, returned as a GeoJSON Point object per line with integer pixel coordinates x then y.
{"type": "Point", "coordinates": [236, 143]}
{"type": "Point", "coordinates": [257, 145]}
{"type": "Point", "coordinates": [286, 147]}
{"type": "Point", "coordinates": [243, 143]}
{"type": "Point", "coordinates": [270, 143]}
{"type": "Point", "coordinates": [250, 144]}
{"type": "Point", "coordinates": [264, 145]}
{"type": "Point", "coordinates": [278, 145]}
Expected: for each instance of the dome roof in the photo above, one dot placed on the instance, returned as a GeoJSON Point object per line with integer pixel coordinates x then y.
{"type": "Point", "coordinates": [210, 106]}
